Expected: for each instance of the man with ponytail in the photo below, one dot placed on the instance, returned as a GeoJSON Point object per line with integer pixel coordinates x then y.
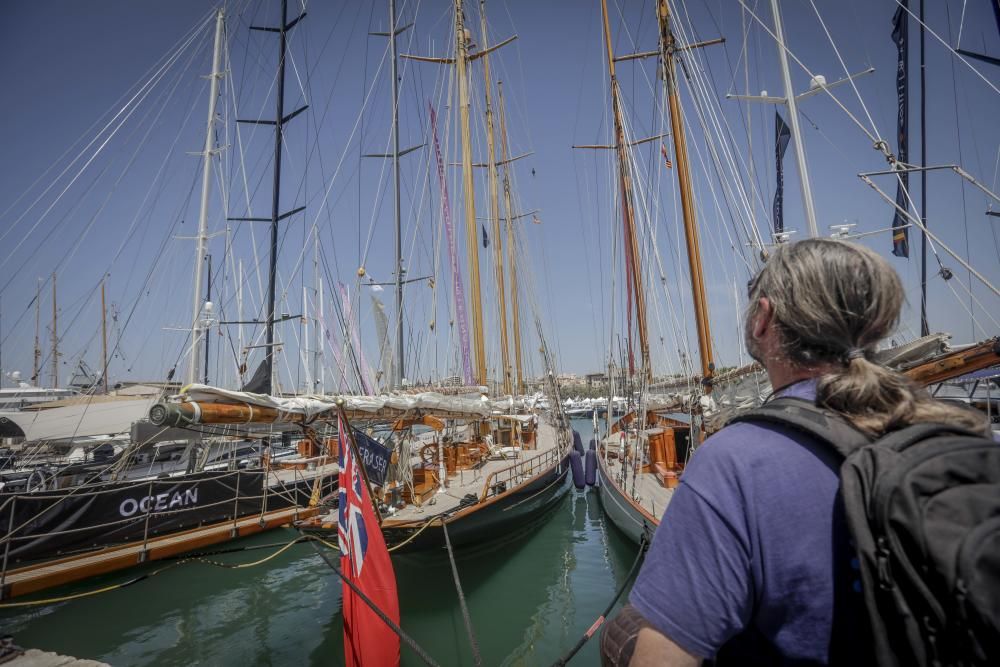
{"type": "Point", "coordinates": [754, 561]}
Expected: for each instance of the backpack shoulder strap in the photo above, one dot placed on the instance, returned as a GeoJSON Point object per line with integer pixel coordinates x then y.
{"type": "Point", "coordinates": [903, 438]}
{"type": "Point", "coordinates": [806, 417]}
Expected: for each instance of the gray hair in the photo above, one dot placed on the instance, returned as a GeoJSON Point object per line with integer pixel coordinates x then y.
{"type": "Point", "coordinates": [832, 302]}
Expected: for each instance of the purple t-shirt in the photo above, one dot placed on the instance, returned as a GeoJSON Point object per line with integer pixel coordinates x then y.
{"type": "Point", "coordinates": [753, 554]}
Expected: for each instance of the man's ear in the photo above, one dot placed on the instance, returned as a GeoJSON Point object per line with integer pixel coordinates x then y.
{"type": "Point", "coordinates": [762, 319]}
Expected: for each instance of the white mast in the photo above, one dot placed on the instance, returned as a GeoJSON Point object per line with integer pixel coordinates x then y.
{"type": "Point", "coordinates": [194, 370]}
{"type": "Point", "coordinates": [793, 122]}
{"type": "Point", "coordinates": [317, 310]}
{"type": "Point", "coordinates": [304, 339]}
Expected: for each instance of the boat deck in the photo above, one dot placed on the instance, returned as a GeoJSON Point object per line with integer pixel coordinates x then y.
{"type": "Point", "coordinates": [648, 492]}
{"type": "Point", "coordinates": [462, 483]}
{"type": "Point", "coordinates": [466, 482]}
{"type": "Point", "coordinates": [41, 576]}
{"type": "Point", "coordinates": [288, 476]}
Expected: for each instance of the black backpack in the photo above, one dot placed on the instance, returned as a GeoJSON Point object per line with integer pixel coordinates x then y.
{"type": "Point", "coordinates": [923, 509]}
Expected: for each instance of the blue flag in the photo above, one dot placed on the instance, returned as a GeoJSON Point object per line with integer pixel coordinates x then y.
{"type": "Point", "coordinates": [781, 136]}
{"type": "Point", "coordinates": [374, 456]}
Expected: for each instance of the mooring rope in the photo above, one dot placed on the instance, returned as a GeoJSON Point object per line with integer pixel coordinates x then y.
{"type": "Point", "coordinates": [199, 558]}
{"type": "Point", "coordinates": [414, 535]}
{"type": "Point", "coordinates": [178, 560]}
{"type": "Point", "coordinates": [368, 601]}
{"type": "Point", "coordinates": [592, 630]}
{"type": "Point", "coordinates": [85, 594]}
{"type": "Point", "coordinates": [461, 597]}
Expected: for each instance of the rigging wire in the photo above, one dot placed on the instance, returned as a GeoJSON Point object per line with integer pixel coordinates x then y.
{"type": "Point", "coordinates": [877, 142]}
{"type": "Point", "coordinates": [131, 107]}
{"type": "Point", "coordinates": [961, 160]}
{"type": "Point", "coordinates": [150, 75]}
{"type": "Point", "coordinates": [843, 66]}
{"type": "Point", "coordinates": [953, 52]}
{"type": "Point", "coordinates": [158, 107]}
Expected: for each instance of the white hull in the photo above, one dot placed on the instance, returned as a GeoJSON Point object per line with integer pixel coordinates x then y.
{"type": "Point", "coordinates": [86, 419]}
{"type": "Point", "coordinates": [623, 514]}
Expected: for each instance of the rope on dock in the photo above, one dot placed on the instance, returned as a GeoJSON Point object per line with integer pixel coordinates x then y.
{"type": "Point", "coordinates": [592, 630]}
{"type": "Point", "coordinates": [421, 653]}
{"type": "Point", "coordinates": [461, 597]}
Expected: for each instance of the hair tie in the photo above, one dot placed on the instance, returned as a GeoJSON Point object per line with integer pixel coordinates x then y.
{"type": "Point", "coordinates": [854, 353]}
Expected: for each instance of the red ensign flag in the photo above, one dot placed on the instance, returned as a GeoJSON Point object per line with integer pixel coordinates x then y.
{"type": "Point", "coordinates": [365, 561]}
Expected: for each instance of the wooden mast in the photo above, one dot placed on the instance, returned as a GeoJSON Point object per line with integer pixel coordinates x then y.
{"type": "Point", "coordinates": [495, 206]}
{"type": "Point", "coordinates": [628, 213]}
{"type": "Point", "coordinates": [667, 48]}
{"type": "Point", "coordinates": [461, 62]}
{"type": "Point", "coordinates": [471, 233]}
{"type": "Point", "coordinates": [511, 255]}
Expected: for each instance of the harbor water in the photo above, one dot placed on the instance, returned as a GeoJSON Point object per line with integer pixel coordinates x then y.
{"type": "Point", "coordinates": [531, 596]}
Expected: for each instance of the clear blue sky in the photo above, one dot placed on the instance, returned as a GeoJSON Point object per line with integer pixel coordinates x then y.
{"type": "Point", "coordinates": [65, 65]}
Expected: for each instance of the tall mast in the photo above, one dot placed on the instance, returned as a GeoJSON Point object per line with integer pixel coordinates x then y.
{"type": "Point", "coordinates": [793, 122]}
{"type": "Point", "coordinates": [495, 206]}
{"type": "Point", "coordinates": [35, 369]}
{"type": "Point", "coordinates": [511, 255]}
{"type": "Point", "coordinates": [397, 381]}
{"type": "Point", "coordinates": [398, 369]}
{"type": "Point", "coordinates": [55, 337]}
{"type": "Point", "coordinates": [631, 243]}
{"type": "Point", "coordinates": [208, 300]}
{"type": "Point", "coordinates": [924, 327]}
{"type": "Point", "coordinates": [471, 231]}
{"type": "Point", "coordinates": [206, 183]}
{"type": "Point", "coordinates": [667, 49]}
{"type": "Point", "coordinates": [240, 370]}
{"type": "Point", "coordinates": [104, 339]}
{"type": "Point", "coordinates": [317, 342]}
{"type": "Point", "coordinates": [279, 124]}
{"type": "Point", "coordinates": [275, 200]}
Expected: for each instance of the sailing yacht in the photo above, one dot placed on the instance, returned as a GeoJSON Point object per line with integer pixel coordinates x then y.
{"type": "Point", "coordinates": [153, 482]}
{"type": "Point", "coordinates": [640, 459]}
{"type": "Point", "coordinates": [24, 395]}
{"type": "Point", "coordinates": [485, 478]}
{"type": "Point", "coordinates": [452, 460]}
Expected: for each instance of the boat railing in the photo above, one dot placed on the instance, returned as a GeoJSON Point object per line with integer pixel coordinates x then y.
{"type": "Point", "coordinates": [155, 504]}
{"type": "Point", "coordinates": [507, 478]}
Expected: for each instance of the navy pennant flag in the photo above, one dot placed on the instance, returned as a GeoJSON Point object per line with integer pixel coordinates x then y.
{"type": "Point", "coordinates": [781, 136]}
{"type": "Point", "coordinates": [900, 36]}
